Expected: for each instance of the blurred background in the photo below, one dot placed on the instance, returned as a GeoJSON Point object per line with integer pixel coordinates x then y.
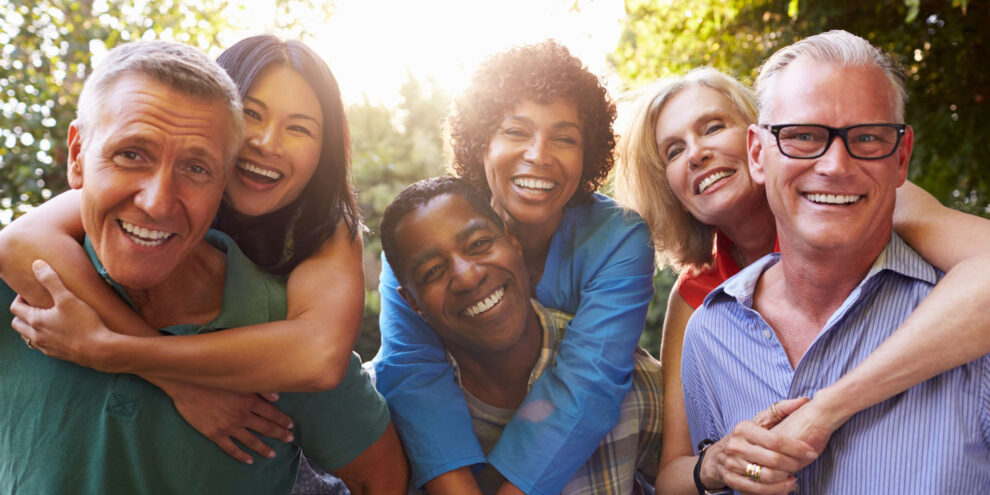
{"type": "Point", "coordinates": [398, 63]}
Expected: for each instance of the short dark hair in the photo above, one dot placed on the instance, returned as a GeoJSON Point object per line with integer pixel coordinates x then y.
{"type": "Point", "coordinates": [280, 240]}
{"type": "Point", "coordinates": [545, 72]}
{"type": "Point", "coordinates": [419, 194]}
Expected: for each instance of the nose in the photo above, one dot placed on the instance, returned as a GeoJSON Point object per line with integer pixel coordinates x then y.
{"type": "Point", "coordinates": [537, 152]}
{"type": "Point", "coordinates": [266, 140]}
{"type": "Point", "coordinates": [157, 196]}
{"type": "Point", "coordinates": [466, 275]}
{"type": "Point", "coordinates": [836, 161]}
{"type": "Point", "coordinates": [698, 155]}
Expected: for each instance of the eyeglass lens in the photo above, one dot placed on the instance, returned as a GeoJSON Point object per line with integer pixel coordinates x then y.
{"type": "Point", "coordinates": [864, 141]}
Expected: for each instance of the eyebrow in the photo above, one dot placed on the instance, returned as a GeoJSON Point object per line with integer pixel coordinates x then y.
{"type": "Point", "coordinates": [291, 116]}
{"type": "Point", "coordinates": [557, 125]}
{"type": "Point", "coordinates": [461, 236]}
{"type": "Point", "coordinates": [709, 115]}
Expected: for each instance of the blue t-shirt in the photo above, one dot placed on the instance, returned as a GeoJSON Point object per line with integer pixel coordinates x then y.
{"type": "Point", "coordinates": [600, 268]}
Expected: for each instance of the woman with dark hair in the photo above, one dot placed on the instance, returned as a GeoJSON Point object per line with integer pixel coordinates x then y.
{"type": "Point", "coordinates": [290, 207]}
{"type": "Point", "coordinates": [533, 130]}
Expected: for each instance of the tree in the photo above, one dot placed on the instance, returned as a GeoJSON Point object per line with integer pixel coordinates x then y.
{"type": "Point", "coordinates": [941, 44]}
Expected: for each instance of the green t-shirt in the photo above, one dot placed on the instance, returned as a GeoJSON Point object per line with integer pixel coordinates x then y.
{"type": "Point", "coordinates": [69, 429]}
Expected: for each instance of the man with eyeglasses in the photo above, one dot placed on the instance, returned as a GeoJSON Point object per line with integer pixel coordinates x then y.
{"type": "Point", "coordinates": [831, 149]}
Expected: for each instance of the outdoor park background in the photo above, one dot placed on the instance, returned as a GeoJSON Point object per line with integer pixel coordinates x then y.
{"type": "Point", "coordinates": [399, 62]}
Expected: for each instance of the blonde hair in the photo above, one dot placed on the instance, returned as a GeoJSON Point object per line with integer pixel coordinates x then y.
{"type": "Point", "coordinates": [641, 176]}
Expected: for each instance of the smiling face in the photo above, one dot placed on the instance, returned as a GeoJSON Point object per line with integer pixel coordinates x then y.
{"type": "Point", "coordinates": [152, 175]}
{"type": "Point", "coordinates": [463, 275]}
{"type": "Point", "coordinates": [833, 201]}
{"type": "Point", "coordinates": [282, 142]}
{"type": "Point", "coordinates": [701, 138]}
{"type": "Point", "coordinates": [534, 163]}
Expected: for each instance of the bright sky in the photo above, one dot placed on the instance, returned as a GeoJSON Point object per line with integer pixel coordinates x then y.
{"type": "Point", "coordinates": [370, 45]}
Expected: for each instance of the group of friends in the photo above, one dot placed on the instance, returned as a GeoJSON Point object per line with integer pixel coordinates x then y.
{"type": "Point", "coordinates": [183, 319]}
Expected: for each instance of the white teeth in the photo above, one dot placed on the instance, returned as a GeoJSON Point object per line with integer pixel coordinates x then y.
{"type": "Point", "coordinates": [833, 199]}
{"type": "Point", "coordinates": [711, 179]}
{"type": "Point", "coordinates": [250, 167]}
{"type": "Point", "coordinates": [532, 183]}
{"type": "Point", "coordinates": [143, 236]}
{"type": "Point", "coordinates": [487, 303]}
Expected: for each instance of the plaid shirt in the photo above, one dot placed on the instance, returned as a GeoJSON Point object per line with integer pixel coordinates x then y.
{"type": "Point", "coordinates": [633, 445]}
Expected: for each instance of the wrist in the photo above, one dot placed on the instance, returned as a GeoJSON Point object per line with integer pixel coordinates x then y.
{"type": "Point", "coordinates": [706, 477]}
{"type": "Point", "coordinates": [833, 406]}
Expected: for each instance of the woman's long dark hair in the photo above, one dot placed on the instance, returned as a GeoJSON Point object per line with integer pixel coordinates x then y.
{"type": "Point", "coordinates": [280, 240]}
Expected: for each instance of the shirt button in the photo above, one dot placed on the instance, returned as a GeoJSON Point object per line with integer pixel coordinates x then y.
{"type": "Point", "coordinates": [767, 334]}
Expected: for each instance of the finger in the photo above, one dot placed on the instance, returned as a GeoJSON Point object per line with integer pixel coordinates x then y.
{"type": "Point", "coordinates": [48, 278]}
{"type": "Point", "coordinates": [20, 308]}
{"type": "Point", "coordinates": [269, 396]}
{"type": "Point", "coordinates": [228, 446]}
{"type": "Point", "coordinates": [787, 407]}
{"type": "Point", "coordinates": [22, 327]}
{"type": "Point", "coordinates": [767, 475]}
{"type": "Point", "coordinates": [742, 483]}
{"type": "Point", "coordinates": [767, 417]}
{"type": "Point", "coordinates": [250, 440]}
{"type": "Point", "coordinates": [769, 448]}
{"type": "Point", "coordinates": [272, 413]}
{"type": "Point", "coordinates": [269, 429]}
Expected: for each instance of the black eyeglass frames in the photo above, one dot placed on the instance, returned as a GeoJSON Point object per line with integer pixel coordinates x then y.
{"type": "Point", "coordinates": [862, 141]}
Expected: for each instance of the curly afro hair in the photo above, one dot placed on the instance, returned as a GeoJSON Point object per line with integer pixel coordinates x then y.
{"type": "Point", "coordinates": [544, 73]}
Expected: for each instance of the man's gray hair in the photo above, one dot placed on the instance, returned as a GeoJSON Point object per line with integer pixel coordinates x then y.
{"type": "Point", "coordinates": [179, 66]}
{"type": "Point", "coordinates": [839, 48]}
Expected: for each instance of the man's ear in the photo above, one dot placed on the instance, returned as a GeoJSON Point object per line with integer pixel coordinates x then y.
{"type": "Point", "coordinates": [904, 155]}
{"type": "Point", "coordinates": [754, 151]}
{"type": "Point", "coordinates": [74, 164]}
{"type": "Point", "coordinates": [410, 300]}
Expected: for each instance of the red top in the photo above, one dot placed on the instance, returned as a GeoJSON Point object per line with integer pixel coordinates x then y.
{"type": "Point", "coordinates": [694, 288]}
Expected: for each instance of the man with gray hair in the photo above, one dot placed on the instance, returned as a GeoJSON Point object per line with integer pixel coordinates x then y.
{"type": "Point", "coordinates": [831, 147]}
{"type": "Point", "coordinates": [158, 128]}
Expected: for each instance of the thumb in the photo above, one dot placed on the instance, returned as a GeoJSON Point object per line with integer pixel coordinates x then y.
{"type": "Point", "coordinates": [769, 417]}
{"type": "Point", "coordinates": [48, 278]}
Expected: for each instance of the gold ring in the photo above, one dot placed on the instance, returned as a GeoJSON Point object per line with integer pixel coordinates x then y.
{"type": "Point", "coordinates": [27, 342]}
{"type": "Point", "coordinates": [753, 471]}
{"type": "Point", "coordinates": [774, 415]}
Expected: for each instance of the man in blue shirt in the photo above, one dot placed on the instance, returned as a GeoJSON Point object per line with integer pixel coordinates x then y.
{"type": "Point", "coordinates": [831, 149]}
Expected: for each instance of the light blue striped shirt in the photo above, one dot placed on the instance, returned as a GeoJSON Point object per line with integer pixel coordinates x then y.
{"type": "Point", "coordinates": [933, 439]}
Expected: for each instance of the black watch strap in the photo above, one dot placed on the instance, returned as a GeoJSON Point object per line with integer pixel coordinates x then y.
{"type": "Point", "coordinates": [702, 490]}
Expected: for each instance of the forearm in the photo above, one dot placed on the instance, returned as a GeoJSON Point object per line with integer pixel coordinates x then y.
{"type": "Point", "coordinates": [949, 328]}
{"type": "Point", "coordinates": [677, 477]}
{"type": "Point", "coordinates": [284, 356]}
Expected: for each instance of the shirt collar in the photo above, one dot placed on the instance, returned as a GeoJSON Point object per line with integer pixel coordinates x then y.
{"type": "Point", "coordinates": [896, 257]}
{"type": "Point", "coordinates": [247, 296]}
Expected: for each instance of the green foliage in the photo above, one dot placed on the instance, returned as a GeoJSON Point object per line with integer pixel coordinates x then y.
{"type": "Point", "coordinates": [941, 44]}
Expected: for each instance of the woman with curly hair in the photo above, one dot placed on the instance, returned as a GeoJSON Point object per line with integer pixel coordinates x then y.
{"type": "Point", "coordinates": [684, 168]}
{"type": "Point", "coordinates": [533, 130]}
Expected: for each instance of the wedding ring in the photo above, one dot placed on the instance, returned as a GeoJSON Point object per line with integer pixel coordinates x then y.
{"type": "Point", "coordinates": [27, 342]}
{"type": "Point", "coordinates": [753, 471]}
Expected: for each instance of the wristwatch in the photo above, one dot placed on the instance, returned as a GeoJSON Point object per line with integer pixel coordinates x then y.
{"type": "Point", "coordinates": [702, 490]}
